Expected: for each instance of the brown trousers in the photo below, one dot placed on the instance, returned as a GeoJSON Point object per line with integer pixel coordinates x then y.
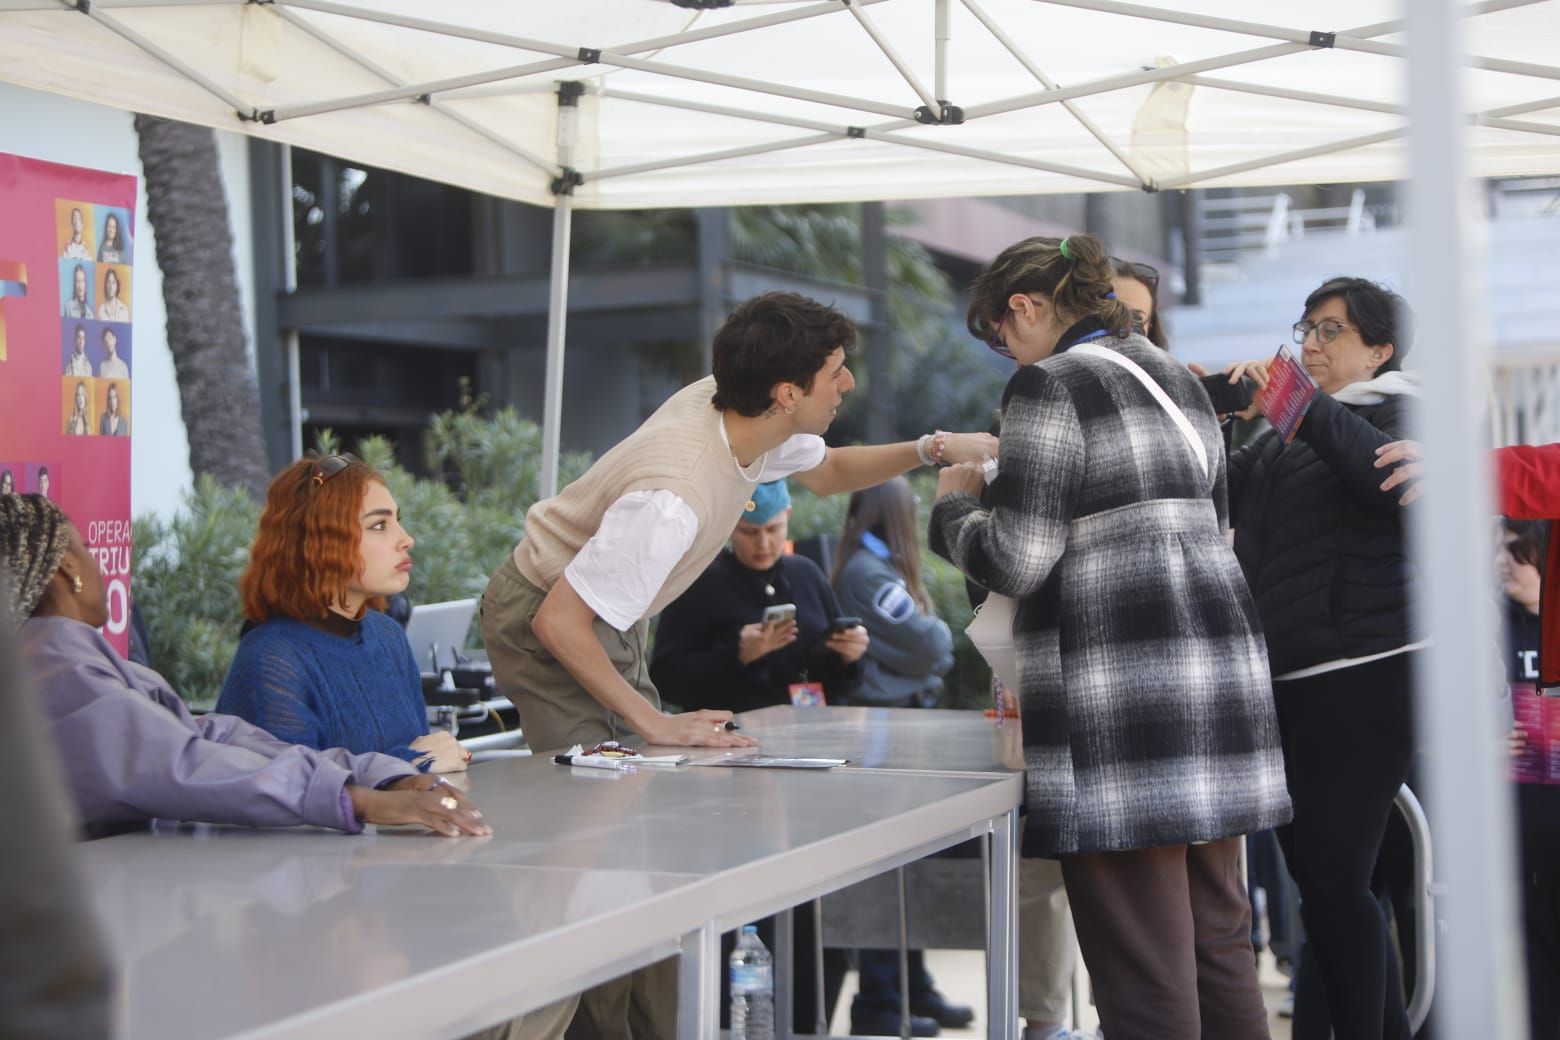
{"type": "Point", "coordinates": [1166, 935]}
{"type": "Point", "coordinates": [555, 712]}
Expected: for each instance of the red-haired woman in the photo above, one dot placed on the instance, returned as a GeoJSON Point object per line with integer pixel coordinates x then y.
{"type": "Point", "coordinates": [320, 664]}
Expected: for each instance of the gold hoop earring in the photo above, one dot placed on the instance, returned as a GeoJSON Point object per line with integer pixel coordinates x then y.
{"type": "Point", "coordinates": [790, 409]}
{"type": "Point", "coordinates": [75, 583]}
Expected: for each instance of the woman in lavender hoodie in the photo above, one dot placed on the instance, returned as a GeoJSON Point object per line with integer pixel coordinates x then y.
{"type": "Point", "coordinates": [132, 751]}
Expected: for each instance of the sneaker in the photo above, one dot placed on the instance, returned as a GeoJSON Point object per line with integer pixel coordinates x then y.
{"type": "Point", "coordinates": [886, 1023]}
{"type": "Point", "coordinates": [934, 1005]}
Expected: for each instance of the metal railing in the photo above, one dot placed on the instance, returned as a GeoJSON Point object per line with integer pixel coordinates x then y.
{"type": "Point", "coordinates": [1525, 400]}
{"type": "Point", "coordinates": [1238, 225]}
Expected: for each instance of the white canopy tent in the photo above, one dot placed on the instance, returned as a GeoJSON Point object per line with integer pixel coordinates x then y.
{"type": "Point", "coordinates": [828, 100]}
{"type": "Point", "coordinates": [799, 100]}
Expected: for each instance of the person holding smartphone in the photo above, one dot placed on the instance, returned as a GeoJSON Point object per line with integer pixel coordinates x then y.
{"type": "Point", "coordinates": [757, 627]}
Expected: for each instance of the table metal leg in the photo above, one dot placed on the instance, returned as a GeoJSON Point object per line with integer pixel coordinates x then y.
{"type": "Point", "coordinates": [1001, 931]}
{"type": "Point", "coordinates": [698, 985]}
{"type": "Point", "coordinates": [785, 961]}
{"type": "Point", "coordinates": [904, 958]}
{"type": "Point", "coordinates": [821, 1023]}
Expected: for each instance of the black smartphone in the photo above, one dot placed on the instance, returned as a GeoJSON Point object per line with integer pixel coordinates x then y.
{"type": "Point", "coordinates": [840, 624]}
{"type": "Point", "coordinates": [1229, 397]}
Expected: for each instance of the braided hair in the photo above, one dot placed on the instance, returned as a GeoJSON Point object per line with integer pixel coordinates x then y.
{"type": "Point", "coordinates": [34, 535]}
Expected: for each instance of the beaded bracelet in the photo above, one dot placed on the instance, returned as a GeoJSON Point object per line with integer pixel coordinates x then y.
{"type": "Point", "coordinates": [931, 448]}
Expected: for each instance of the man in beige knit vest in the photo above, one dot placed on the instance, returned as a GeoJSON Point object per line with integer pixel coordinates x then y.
{"type": "Point", "coordinates": [565, 618]}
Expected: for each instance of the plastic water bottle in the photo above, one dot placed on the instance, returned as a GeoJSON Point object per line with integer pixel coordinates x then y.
{"type": "Point", "coordinates": [752, 988]}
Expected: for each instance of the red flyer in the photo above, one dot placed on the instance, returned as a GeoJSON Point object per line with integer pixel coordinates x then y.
{"type": "Point", "coordinates": [1538, 717]}
{"type": "Point", "coordinates": [1288, 394]}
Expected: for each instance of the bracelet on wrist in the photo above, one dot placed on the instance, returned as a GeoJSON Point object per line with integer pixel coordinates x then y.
{"type": "Point", "coordinates": [921, 452]}
{"type": "Point", "coordinates": [939, 447]}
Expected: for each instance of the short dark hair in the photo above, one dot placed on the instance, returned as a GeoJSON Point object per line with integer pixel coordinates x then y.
{"type": "Point", "coordinates": [778, 337]}
{"type": "Point", "coordinates": [1531, 544]}
{"type": "Point", "coordinates": [1381, 315]}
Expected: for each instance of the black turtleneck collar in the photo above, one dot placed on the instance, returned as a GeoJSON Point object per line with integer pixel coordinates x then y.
{"type": "Point", "coordinates": [1087, 328]}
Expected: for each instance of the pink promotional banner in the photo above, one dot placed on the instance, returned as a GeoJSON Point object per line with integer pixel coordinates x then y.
{"type": "Point", "coordinates": [67, 349]}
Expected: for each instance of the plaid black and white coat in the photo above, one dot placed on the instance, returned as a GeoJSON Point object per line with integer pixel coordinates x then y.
{"type": "Point", "coordinates": [1147, 711]}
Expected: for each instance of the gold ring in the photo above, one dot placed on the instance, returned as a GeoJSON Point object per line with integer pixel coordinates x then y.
{"type": "Point", "coordinates": [718, 727]}
{"type": "Point", "coordinates": [449, 803]}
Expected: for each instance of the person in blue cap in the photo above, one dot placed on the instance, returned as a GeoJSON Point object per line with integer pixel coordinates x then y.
{"type": "Point", "coordinates": [714, 650]}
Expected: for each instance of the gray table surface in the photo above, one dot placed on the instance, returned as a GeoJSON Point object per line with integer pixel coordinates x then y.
{"type": "Point", "coordinates": [920, 740]}
{"type": "Point", "coordinates": [226, 932]}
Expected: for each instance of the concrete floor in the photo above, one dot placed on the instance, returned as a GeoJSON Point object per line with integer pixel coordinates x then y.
{"type": "Point", "coordinates": [961, 976]}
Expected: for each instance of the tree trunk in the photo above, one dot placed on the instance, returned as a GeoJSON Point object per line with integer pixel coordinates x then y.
{"type": "Point", "coordinates": [218, 391]}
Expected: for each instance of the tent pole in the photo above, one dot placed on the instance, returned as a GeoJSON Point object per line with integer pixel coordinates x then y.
{"type": "Point", "coordinates": [558, 283]}
{"type": "Point", "coordinates": [1469, 799]}
{"type": "Point", "coordinates": [290, 342]}
{"type": "Point", "coordinates": [944, 34]}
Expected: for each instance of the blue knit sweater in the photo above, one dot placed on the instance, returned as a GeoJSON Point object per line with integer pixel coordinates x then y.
{"type": "Point", "coordinates": [360, 691]}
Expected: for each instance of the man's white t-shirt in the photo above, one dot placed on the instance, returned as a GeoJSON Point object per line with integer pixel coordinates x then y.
{"type": "Point", "coordinates": [642, 535]}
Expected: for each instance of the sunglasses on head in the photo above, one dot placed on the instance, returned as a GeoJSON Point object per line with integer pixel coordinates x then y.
{"type": "Point", "coordinates": [1145, 273]}
{"type": "Point", "coordinates": [329, 466]}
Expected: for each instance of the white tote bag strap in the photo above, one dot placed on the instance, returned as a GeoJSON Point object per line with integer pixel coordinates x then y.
{"type": "Point", "coordinates": [1176, 415]}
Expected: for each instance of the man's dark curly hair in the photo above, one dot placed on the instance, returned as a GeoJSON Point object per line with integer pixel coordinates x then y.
{"type": "Point", "coordinates": [778, 337]}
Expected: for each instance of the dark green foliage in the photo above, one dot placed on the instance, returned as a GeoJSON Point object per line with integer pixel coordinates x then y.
{"type": "Point", "coordinates": [186, 583]}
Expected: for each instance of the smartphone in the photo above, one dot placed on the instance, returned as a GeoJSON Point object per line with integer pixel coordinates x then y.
{"type": "Point", "coordinates": [840, 624]}
{"type": "Point", "coordinates": [776, 612]}
{"type": "Point", "coordinates": [1229, 397]}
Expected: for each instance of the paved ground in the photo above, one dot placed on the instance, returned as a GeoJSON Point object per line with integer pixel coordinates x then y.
{"type": "Point", "coordinates": [961, 975]}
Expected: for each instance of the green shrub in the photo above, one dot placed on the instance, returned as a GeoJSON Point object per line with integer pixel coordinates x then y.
{"type": "Point", "coordinates": [186, 583]}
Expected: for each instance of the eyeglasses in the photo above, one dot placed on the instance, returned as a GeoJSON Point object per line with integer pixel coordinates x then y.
{"type": "Point", "coordinates": [994, 338]}
{"type": "Point", "coordinates": [1145, 273]}
{"type": "Point", "coordinates": [1327, 330]}
{"type": "Point", "coordinates": [329, 466]}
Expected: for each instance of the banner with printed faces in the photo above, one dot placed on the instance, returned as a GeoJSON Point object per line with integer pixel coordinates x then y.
{"type": "Point", "coordinates": [67, 354]}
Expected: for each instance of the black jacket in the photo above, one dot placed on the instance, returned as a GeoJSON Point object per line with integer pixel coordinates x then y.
{"type": "Point", "coordinates": [1322, 546]}
{"type": "Point", "coordinates": [694, 663]}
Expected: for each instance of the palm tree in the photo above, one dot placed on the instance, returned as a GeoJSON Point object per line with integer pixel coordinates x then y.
{"type": "Point", "coordinates": [218, 392]}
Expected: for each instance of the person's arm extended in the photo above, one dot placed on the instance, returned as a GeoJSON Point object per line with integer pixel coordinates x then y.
{"type": "Point", "coordinates": [1349, 445]}
{"type": "Point", "coordinates": [1011, 547]}
{"type": "Point", "coordinates": [563, 625]}
{"type": "Point", "coordinates": [867, 465]}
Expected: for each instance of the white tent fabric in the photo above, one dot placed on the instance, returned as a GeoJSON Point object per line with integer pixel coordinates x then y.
{"type": "Point", "coordinates": [802, 100]}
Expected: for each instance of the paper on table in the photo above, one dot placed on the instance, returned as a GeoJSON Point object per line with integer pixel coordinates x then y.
{"type": "Point", "coordinates": [770, 761]}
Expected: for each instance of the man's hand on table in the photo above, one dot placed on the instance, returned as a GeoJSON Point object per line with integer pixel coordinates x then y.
{"type": "Point", "coordinates": [705, 728]}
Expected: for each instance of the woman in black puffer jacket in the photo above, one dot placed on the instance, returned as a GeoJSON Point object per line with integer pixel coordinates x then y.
{"type": "Point", "coordinates": [1324, 551]}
